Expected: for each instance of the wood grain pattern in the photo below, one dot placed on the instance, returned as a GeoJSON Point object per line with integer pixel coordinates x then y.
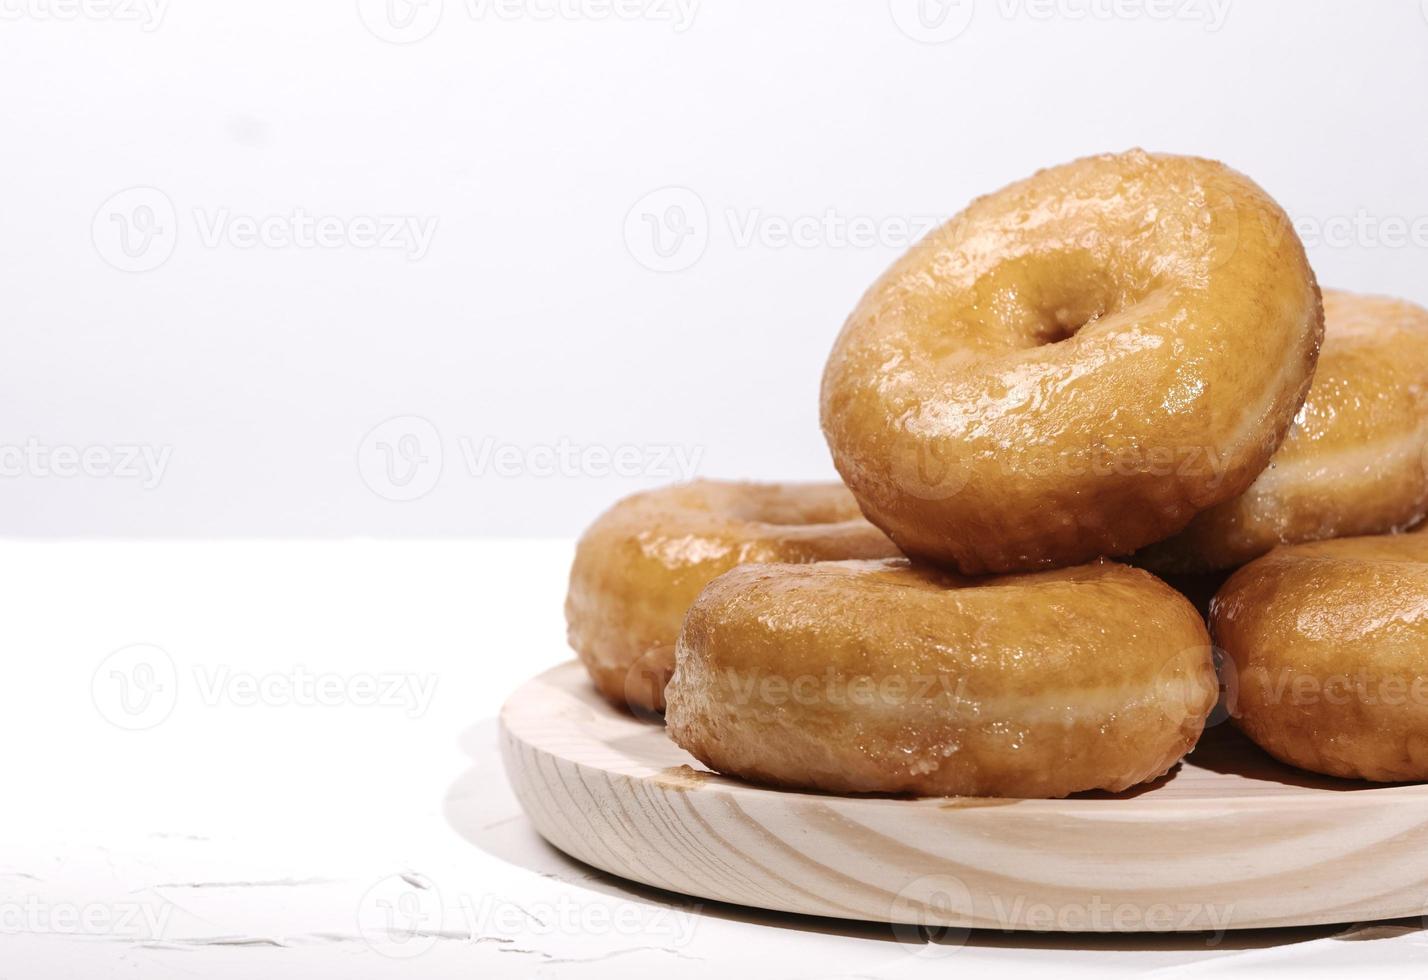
{"type": "Point", "coordinates": [1229, 840]}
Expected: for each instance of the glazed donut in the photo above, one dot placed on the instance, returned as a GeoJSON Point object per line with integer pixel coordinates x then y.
{"type": "Point", "coordinates": [1326, 655]}
{"type": "Point", "coordinates": [642, 563]}
{"type": "Point", "coordinates": [1076, 365]}
{"type": "Point", "coordinates": [889, 677]}
{"type": "Point", "coordinates": [1353, 462]}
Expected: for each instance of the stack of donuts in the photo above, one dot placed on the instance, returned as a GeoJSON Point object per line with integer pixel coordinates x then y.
{"type": "Point", "coordinates": [1115, 375]}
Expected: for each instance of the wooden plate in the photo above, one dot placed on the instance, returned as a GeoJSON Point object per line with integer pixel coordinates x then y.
{"type": "Point", "coordinates": [1229, 840]}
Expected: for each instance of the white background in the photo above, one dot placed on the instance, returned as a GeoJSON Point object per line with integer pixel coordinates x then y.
{"type": "Point", "coordinates": [529, 136]}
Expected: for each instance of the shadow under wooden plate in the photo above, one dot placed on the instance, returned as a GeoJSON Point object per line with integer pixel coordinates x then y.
{"type": "Point", "coordinates": [1230, 839]}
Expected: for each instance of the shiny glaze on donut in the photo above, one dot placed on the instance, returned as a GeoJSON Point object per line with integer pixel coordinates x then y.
{"type": "Point", "coordinates": [885, 677]}
{"type": "Point", "coordinates": [1076, 365]}
{"type": "Point", "coordinates": [641, 564]}
{"type": "Point", "coordinates": [1327, 655]}
{"type": "Point", "coordinates": [1354, 461]}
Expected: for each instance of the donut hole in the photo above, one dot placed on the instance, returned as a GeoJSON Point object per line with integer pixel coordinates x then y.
{"type": "Point", "coordinates": [1065, 322]}
{"type": "Point", "coordinates": [1047, 298]}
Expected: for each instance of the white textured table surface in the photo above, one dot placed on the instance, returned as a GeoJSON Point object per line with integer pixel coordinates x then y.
{"type": "Point", "coordinates": [277, 759]}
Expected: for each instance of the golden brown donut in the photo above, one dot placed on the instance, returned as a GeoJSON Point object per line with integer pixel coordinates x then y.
{"type": "Point", "coordinates": [641, 564]}
{"type": "Point", "coordinates": [1076, 365]}
{"type": "Point", "coordinates": [1327, 655]}
{"type": "Point", "coordinates": [1352, 464]}
{"type": "Point", "coordinates": [888, 677]}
